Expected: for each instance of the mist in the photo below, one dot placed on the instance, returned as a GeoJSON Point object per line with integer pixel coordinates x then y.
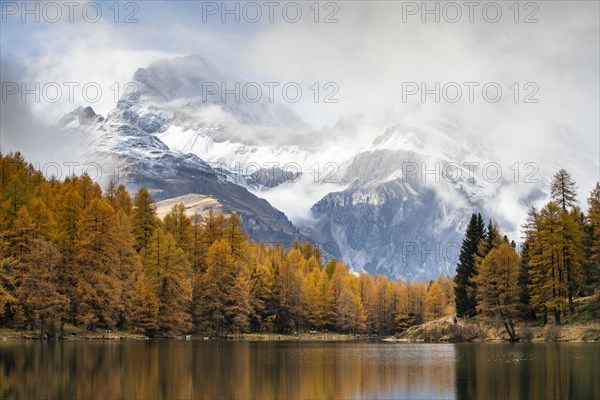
{"type": "Point", "coordinates": [371, 54]}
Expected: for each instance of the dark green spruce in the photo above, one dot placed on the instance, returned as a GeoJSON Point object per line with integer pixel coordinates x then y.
{"type": "Point", "coordinates": [465, 287]}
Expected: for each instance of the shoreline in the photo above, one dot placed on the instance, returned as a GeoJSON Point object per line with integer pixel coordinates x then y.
{"type": "Point", "coordinates": [12, 335]}
{"type": "Point", "coordinates": [425, 333]}
{"type": "Point", "coordinates": [483, 330]}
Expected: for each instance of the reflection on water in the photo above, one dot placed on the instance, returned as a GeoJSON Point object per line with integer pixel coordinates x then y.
{"type": "Point", "coordinates": [520, 371]}
{"type": "Point", "coordinates": [227, 370]}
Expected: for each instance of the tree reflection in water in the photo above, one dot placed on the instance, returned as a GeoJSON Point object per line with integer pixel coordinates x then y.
{"type": "Point", "coordinates": [275, 370]}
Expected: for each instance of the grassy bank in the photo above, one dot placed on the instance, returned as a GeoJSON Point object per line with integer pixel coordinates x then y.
{"type": "Point", "coordinates": [582, 326]}
{"type": "Point", "coordinates": [480, 330]}
{"type": "Point", "coordinates": [303, 337]}
{"type": "Point", "coordinates": [74, 333]}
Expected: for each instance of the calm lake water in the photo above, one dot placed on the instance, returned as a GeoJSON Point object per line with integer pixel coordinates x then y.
{"type": "Point", "coordinates": [276, 370]}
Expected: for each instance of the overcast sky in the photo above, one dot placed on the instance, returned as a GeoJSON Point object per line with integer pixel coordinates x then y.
{"type": "Point", "coordinates": [370, 50]}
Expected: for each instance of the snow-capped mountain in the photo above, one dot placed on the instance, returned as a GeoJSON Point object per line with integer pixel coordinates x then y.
{"type": "Point", "coordinates": [391, 196]}
{"type": "Point", "coordinates": [123, 145]}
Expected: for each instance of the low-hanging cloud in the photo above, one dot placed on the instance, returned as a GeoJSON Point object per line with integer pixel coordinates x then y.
{"type": "Point", "coordinates": [370, 53]}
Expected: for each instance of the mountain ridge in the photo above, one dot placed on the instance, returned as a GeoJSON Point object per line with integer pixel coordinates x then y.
{"type": "Point", "coordinates": [388, 198]}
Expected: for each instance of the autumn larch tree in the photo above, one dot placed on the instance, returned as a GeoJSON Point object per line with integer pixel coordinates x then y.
{"type": "Point", "coordinates": [143, 304]}
{"type": "Point", "coordinates": [179, 225]}
{"type": "Point", "coordinates": [39, 292]}
{"type": "Point", "coordinates": [110, 193]}
{"type": "Point", "coordinates": [6, 284]}
{"type": "Point", "coordinates": [128, 263]}
{"type": "Point", "coordinates": [383, 305]}
{"type": "Point", "coordinates": [314, 302]}
{"type": "Point", "coordinates": [290, 291]}
{"type": "Point", "coordinates": [592, 242]}
{"type": "Point", "coordinates": [366, 290]}
{"type": "Point", "coordinates": [169, 274]}
{"type": "Point", "coordinates": [20, 234]}
{"type": "Point", "coordinates": [236, 236]}
{"type": "Point", "coordinates": [118, 197]}
{"type": "Point", "coordinates": [435, 302]}
{"type": "Point", "coordinates": [401, 317]}
{"type": "Point", "coordinates": [68, 213]}
{"type": "Point", "coordinates": [97, 278]}
{"type": "Point", "coordinates": [17, 190]}
{"type": "Point", "coordinates": [225, 296]}
{"type": "Point", "coordinates": [530, 231]}
{"type": "Point", "coordinates": [261, 291]}
{"type": "Point", "coordinates": [122, 200]}
{"type": "Point", "coordinates": [548, 277]}
{"type": "Point", "coordinates": [572, 249]}
{"type": "Point", "coordinates": [87, 188]}
{"type": "Point", "coordinates": [144, 221]}
{"type": "Point", "coordinates": [563, 191]}
{"type": "Point", "coordinates": [447, 285]}
{"type": "Point", "coordinates": [497, 285]}
{"type": "Point", "coordinates": [350, 314]}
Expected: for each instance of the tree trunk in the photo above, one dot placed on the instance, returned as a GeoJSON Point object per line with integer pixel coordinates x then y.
{"type": "Point", "coordinates": [510, 329]}
{"type": "Point", "coordinates": [556, 316]}
{"type": "Point", "coordinates": [570, 287]}
{"type": "Point", "coordinates": [42, 327]}
{"type": "Point", "coordinates": [510, 332]}
{"type": "Point", "coordinates": [571, 305]}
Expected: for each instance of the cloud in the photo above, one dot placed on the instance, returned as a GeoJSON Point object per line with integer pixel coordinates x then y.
{"type": "Point", "coordinates": [102, 57]}
{"type": "Point", "coordinates": [20, 127]}
{"type": "Point", "coordinates": [296, 199]}
{"type": "Point", "coordinates": [369, 54]}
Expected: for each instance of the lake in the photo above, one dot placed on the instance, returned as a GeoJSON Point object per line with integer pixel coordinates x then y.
{"type": "Point", "coordinates": [297, 370]}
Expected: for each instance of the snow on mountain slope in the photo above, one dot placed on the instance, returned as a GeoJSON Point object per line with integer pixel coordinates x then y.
{"type": "Point", "coordinates": [392, 194]}
{"type": "Point", "coordinates": [128, 153]}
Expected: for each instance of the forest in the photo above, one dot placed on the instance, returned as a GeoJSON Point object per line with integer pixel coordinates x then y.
{"type": "Point", "coordinates": [74, 254]}
{"type": "Point", "coordinates": [558, 261]}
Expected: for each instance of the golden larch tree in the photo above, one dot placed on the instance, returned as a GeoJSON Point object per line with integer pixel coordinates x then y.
{"type": "Point", "coordinates": [169, 274]}
{"type": "Point", "coordinates": [435, 302]}
{"type": "Point", "coordinates": [498, 285]}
